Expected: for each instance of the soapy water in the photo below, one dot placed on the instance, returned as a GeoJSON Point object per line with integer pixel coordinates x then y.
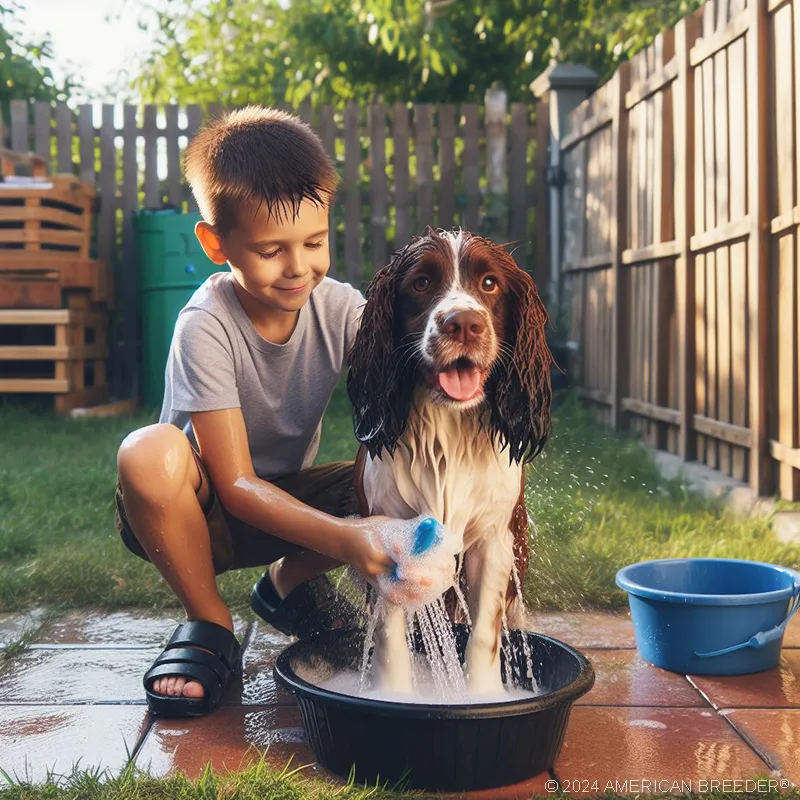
{"type": "Point", "coordinates": [437, 672]}
{"type": "Point", "coordinates": [425, 691]}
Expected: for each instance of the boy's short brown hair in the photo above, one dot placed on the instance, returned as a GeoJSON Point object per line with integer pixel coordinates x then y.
{"type": "Point", "coordinates": [257, 154]}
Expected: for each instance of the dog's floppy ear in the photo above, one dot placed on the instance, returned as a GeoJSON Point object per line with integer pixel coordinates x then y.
{"type": "Point", "coordinates": [519, 387]}
{"type": "Point", "coordinates": [379, 382]}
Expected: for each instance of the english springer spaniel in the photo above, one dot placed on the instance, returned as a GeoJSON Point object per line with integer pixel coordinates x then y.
{"type": "Point", "coordinates": [449, 380]}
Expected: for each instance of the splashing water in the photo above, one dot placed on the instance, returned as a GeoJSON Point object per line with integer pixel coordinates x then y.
{"type": "Point", "coordinates": [372, 623]}
{"type": "Point", "coordinates": [462, 602]}
{"type": "Point", "coordinates": [526, 649]}
{"type": "Point", "coordinates": [436, 670]}
{"type": "Point", "coordinates": [440, 650]}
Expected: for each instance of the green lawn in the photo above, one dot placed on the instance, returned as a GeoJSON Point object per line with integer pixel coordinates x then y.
{"type": "Point", "coordinates": [598, 502]}
{"type": "Point", "coordinates": [260, 782]}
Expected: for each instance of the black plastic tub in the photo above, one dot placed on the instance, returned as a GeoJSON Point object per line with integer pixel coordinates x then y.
{"type": "Point", "coordinates": [435, 747]}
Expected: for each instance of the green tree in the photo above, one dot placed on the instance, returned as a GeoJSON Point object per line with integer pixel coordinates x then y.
{"type": "Point", "coordinates": [238, 51]}
{"type": "Point", "coordinates": [25, 71]}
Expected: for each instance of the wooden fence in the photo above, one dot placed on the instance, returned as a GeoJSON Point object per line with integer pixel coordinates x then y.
{"type": "Point", "coordinates": [680, 251]}
{"type": "Point", "coordinates": [403, 168]}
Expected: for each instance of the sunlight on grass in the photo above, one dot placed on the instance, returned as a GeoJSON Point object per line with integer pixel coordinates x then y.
{"type": "Point", "coordinates": [261, 781]}
{"type": "Point", "coordinates": [255, 782]}
{"type": "Point", "coordinates": [598, 503]}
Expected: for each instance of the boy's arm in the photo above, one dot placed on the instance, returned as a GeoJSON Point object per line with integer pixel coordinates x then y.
{"type": "Point", "coordinates": [222, 439]}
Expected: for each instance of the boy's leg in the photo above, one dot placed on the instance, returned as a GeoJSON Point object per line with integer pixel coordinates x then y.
{"type": "Point", "coordinates": [164, 496]}
{"type": "Point", "coordinates": [292, 570]}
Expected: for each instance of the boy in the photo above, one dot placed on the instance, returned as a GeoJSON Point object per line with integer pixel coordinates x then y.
{"type": "Point", "coordinates": [224, 480]}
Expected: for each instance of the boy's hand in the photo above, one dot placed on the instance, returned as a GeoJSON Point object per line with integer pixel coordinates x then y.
{"type": "Point", "coordinates": [364, 550]}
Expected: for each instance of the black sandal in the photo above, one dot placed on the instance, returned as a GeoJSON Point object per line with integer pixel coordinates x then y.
{"type": "Point", "coordinates": [310, 608]}
{"type": "Point", "coordinates": [181, 658]}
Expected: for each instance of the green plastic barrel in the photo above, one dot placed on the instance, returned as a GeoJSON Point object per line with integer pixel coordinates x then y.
{"type": "Point", "coordinates": [171, 267]}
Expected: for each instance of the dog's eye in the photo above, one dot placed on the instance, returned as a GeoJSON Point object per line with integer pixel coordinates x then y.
{"type": "Point", "coordinates": [489, 284]}
{"type": "Point", "coordinates": [421, 284]}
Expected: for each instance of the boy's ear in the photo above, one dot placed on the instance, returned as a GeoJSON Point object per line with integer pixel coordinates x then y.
{"type": "Point", "coordinates": [210, 242]}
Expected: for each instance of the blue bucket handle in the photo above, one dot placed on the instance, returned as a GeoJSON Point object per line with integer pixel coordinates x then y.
{"type": "Point", "coordinates": [763, 637]}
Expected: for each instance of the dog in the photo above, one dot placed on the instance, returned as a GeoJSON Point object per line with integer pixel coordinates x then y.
{"type": "Point", "coordinates": [449, 379]}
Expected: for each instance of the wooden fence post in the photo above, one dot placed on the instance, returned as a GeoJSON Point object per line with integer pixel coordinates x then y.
{"type": "Point", "coordinates": [19, 125]}
{"type": "Point", "coordinates": [327, 130]}
{"type": "Point", "coordinates": [758, 245]}
{"type": "Point", "coordinates": [352, 201]}
{"type": "Point", "coordinates": [378, 216]}
{"type": "Point", "coordinates": [686, 32]}
{"type": "Point", "coordinates": [423, 148]}
{"type": "Point", "coordinates": [518, 183]}
{"type": "Point", "coordinates": [563, 87]}
{"type": "Point", "coordinates": [617, 239]}
{"type": "Point", "coordinates": [42, 116]}
{"type": "Point", "coordinates": [64, 137]}
{"type": "Point", "coordinates": [129, 288]}
{"type": "Point", "coordinates": [541, 269]}
{"type": "Point", "coordinates": [495, 102]}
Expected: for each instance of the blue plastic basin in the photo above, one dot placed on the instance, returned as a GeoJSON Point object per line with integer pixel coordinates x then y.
{"type": "Point", "coordinates": [710, 616]}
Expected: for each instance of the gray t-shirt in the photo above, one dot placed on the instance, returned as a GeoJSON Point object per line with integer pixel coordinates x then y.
{"type": "Point", "coordinates": [218, 360]}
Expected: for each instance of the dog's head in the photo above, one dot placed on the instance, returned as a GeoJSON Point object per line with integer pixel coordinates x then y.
{"type": "Point", "coordinates": [453, 313]}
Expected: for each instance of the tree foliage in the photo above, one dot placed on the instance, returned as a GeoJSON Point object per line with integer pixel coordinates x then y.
{"type": "Point", "coordinates": [331, 51]}
{"type": "Point", "coordinates": [25, 71]}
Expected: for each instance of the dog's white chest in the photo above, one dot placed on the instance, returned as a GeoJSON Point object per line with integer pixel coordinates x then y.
{"type": "Point", "coordinates": [446, 467]}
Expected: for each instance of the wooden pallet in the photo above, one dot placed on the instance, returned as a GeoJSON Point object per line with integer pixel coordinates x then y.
{"type": "Point", "coordinates": [14, 162]}
{"type": "Point", "coordinates": [61, 352]}
{"type": "Point", "coordinates": [53, 216]}
{"type": "Point", "coordinates": [115, 408]}
{"type": "Point", "coordinates": [45, 281]}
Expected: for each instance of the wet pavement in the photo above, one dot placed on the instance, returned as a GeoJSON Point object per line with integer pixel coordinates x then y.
{"type": "Point", "coordinates": [74, 696]}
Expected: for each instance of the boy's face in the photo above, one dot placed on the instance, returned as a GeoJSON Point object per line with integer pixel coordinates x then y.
{"type": "Point", "coordinates": [276, 261]}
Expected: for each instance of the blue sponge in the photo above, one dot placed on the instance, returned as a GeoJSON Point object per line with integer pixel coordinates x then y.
{"type": "Point", "coordinates": [427, 536]}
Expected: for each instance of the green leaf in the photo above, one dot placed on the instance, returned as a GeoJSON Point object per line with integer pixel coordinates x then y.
{"type": "Point", "coordinates": [436, 62]}
{"type": "Point", "coordinates": [389, 39]}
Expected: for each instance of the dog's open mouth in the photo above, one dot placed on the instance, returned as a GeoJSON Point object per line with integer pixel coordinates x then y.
{"type": "Point", "coordinates": [462, 380]}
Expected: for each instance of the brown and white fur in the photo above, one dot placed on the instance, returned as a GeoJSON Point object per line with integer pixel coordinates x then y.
{"type": "Point", "coordinates": [451, 441]}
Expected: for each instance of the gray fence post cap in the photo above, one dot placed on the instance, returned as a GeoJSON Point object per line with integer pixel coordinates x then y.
{"type": "Point", "coordinates": [564, 76]}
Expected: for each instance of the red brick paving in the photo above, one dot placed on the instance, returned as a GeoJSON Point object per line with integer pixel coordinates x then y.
{"type": "Point", "coordinates": [76, 695]}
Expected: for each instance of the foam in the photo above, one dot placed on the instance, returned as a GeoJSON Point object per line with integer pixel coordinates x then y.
{"type": "Point", "coordinates": [425, 553]}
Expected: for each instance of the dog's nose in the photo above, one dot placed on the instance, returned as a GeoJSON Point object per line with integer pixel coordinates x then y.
{"type": "Point", "coordinates": [465, 326]}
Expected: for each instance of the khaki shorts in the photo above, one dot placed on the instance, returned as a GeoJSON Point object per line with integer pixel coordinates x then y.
{"type": "Point", "coordinates": [237, 545]}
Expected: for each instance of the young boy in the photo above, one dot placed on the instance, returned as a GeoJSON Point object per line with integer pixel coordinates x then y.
{"type": "Point", "coordinates": [224, 480]}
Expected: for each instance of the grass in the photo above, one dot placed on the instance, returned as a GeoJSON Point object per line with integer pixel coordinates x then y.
{"type": "Point", "coordinates": [598, 501]}
{"type": "Point", "coordinates": [600, 504]}
{"type": "Point", "coordinates": [255, 782]}
{"type": "Point", "coordinates": [261, 781]}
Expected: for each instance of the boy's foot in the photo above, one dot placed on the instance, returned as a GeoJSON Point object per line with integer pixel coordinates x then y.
{"type": "Point", "coordinates": [194, 670]}
{"type": "Point", "coordinates": [177, 686]}
{"type": "Point", "coordinates": [309, 608]}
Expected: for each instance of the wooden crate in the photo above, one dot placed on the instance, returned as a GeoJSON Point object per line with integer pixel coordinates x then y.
{"type": "Point", "coordinates": [34, 289]}
{"type": "Point", "coordinates": [52, 215]}
{"type": "Point", "coordinates": [47, 280]}
{"type": "Point", "coordinates": [61, 352]}
{"type": "Point", "coordinates": [14, 162]}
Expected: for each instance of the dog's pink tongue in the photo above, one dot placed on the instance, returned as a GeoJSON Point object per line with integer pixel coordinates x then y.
{"type": "Point", "coordinates": [460, 383]}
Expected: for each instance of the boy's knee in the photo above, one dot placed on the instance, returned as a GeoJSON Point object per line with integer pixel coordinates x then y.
{"type": "Point", "coordinates": [153, 461]}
